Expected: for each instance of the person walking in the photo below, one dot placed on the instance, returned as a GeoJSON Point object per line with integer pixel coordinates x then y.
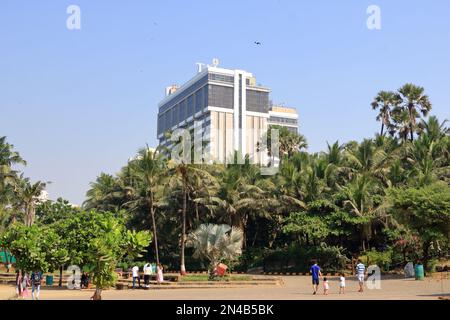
{"type": "Point", "coordinates": [360, 274]}
{"type": "Point", "coordinates": [159, 273]}
{"type": "Point", "coordinates": [19, 284]}
{"type": "Point", "coordinates": [135, 274]}
{"type": "Point", "coordinates": [326, 286]}
{"type": "Point", "coordinates": [315, 273]}
{"type": "Point", "coordinates": [36, 279]}
{"type": "Point", "coordinates": [147, 273]}
{"type": "Point", "coordinates": [25, 285]}
{"type": "Point", "coordinates": [342, 284]}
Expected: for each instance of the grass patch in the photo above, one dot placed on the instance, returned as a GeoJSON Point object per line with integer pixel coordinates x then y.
{"type": "Point", "coordinates": [204, 277]}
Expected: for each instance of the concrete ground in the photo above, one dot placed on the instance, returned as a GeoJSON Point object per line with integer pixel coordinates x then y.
{"type": "Point", "coordinates": [294, 288]}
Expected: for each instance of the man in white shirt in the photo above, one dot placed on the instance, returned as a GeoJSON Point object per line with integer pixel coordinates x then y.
{"type": "Point", "coordinates": [135, 274]}
{"type": "Point", "coordinates": [147, 274]}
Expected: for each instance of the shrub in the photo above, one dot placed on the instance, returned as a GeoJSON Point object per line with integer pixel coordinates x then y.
{"type": "Point", "coordinates": [382, 259]}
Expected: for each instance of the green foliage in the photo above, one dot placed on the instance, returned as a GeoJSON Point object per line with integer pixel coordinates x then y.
{"type": "Point", "coordinates": [35, 249]}
{"type": "Point", "coordinates": [424, 210]}
{"type": "Point", "coordinates": [296, 258]}
{"type": "Point", "coordinates": [49, 212]}
{"type": "Point", "coordinates": [382, 259]}
{"type": "Point", "coordinates": [99, 241]}
{"type": "Point", "coordinates": [302, 224]}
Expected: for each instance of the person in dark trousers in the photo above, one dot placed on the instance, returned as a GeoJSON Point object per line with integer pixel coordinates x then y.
{"type": "Point", "coordinates": [36, 279]}
{"type": "Point", "coordinates": [316, 274]}
{"type": "Point", "coordinates": [135, 275]}
{"type": "Point", "coordinates": [84, 280]}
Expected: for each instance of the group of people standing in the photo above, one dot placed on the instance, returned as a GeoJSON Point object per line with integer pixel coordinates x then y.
{"type": "Point", "coordinates": [316, 274]}
{"type": "Point", "coordinates": [148, 269]}
{"type": "Point", "coordinates": [24, 281]}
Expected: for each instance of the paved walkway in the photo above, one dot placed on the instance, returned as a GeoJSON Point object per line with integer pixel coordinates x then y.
{"type": "Point", "coordinates": [295, 288]}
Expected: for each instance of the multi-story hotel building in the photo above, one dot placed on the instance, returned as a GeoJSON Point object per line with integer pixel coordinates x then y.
{"type": "Point", "coordinates": [226, 107]}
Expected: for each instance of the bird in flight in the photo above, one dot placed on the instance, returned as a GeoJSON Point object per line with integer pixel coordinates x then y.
{"type": "Point", "coordinates": [257, 43]}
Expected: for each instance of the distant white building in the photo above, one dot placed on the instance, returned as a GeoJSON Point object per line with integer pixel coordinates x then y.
{"type": "Point", "coordinates": [226, 108]}
{"type": "Point", "coordinates": [43, 197]}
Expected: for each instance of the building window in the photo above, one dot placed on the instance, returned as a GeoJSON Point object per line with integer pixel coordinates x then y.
{"type": "Point", "coordinates": [221, 77]}
{"type": "Point", "coordinates": [283, 120]}
{"type": "Point", "coordinates": [182, 112]}
{"type": "Point", "coordinates": [199, 101]}
{"type": "Point", "coordinates": [257, 101]}
{"type": "Point", "coordinates": [190, 106]}
{"type": "Point", "coordinates": [221, 97]}
{"type": "Point", "coordinates": [176, 112]}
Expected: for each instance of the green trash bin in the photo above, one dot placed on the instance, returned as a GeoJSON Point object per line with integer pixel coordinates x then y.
{"type": "Point", "coordinates": [49, 280]}
{"type": "Point", "coordinates": [418, 270]}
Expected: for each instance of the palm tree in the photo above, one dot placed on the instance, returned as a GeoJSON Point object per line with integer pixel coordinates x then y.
{"type": "Point", "coordinates": [149, 167]}
{"type": "Point", "coordinates": [103, 194]}
{"type": "Point", "coordinates": [8, 176]}
{"type": "Point", "coordinates": [186, 175]}
{"type": "Point", "coordinates": [242, 194]}
{"type": "Point", "coordinates": [368, 159]}
{"type": "Point", "coordinates": [359, 195]}
{"type": "Point", "coordinates": [385, 101]}
{"type": "Point", "coordinates": [289, 142]}
{"type": "Point", "coordinates": [433, 128]}
{"type": "Point", "coordinates": [215, 243]}
{"type": "Point", "coordinates": [413, 99]}
{"type": "Point", "coordinates": [28, 195]}
{"type": "Point", "coordinates": [401, 124]}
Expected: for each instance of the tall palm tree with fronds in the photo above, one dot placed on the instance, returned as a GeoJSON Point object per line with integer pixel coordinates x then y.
{"type": "Point", "coordinates": [8, 176]}
{"type": "Point", "coordinates": [149, 167]}
{"type": "Point", "coordinates": [367, 158]}
{"type": "Point", "coordinates": [186, 176]}
{"type": "Point", "coordinates": [433, 128]}
{"type": "Point", "coordinates": [103, 194]}
{"type": "Point", "coordinates": [359, 195]}
{"type": "Point", "coordinates": [385, 101]}
{"type": "Point", "coordinates": [413, 99]}
{"type": "Point", "coordinates": [28, 195]}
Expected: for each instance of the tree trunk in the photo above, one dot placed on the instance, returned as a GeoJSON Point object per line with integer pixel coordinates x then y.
{"type": "Point", "coordinates": [183, 233]}
{"type": "Point", "coordinates": [6, 260]}
{"type": "Point", "coordinates": [97, 295]}
{"type": "Point", "coordinates": [155, 237]}
{"type": "Point", "coordinates": [60, 276]}
{"type": "Point", "coordinates": [426, 249]}
{"type": "Point", "coordinates": [382, 128]}
{"type": "Point", "coordinates": [411, 131]}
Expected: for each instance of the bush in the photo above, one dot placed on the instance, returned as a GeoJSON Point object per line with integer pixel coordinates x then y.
{"type": "Point", "coordinates": [382, 259]}
{"type": "Point", "coordinates": [298, 259]}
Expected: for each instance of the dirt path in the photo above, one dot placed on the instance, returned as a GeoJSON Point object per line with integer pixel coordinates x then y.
{"type": "Point", "coordinates": [295, 288]}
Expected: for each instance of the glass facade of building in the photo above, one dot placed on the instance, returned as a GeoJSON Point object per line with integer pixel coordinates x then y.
{"type": "Point", "coordinates": [282, 121]}
{"type": "Point", "coordinates": [217, 90]}
{"type": "Point", "coordinates": [257, 101]}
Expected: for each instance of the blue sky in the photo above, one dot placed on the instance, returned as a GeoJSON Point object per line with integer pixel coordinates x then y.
{"type": "Point", "coordinates": [76, 103]}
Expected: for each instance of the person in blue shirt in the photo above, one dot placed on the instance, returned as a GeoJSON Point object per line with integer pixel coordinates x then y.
{"type": "Point", "coordinates": [316, 274]}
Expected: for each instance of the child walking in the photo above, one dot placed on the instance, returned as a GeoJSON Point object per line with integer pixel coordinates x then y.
{"type": "Point", "coordinates": [342, 284]}
{"type": "Point", "coordinates": [326, 286]}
